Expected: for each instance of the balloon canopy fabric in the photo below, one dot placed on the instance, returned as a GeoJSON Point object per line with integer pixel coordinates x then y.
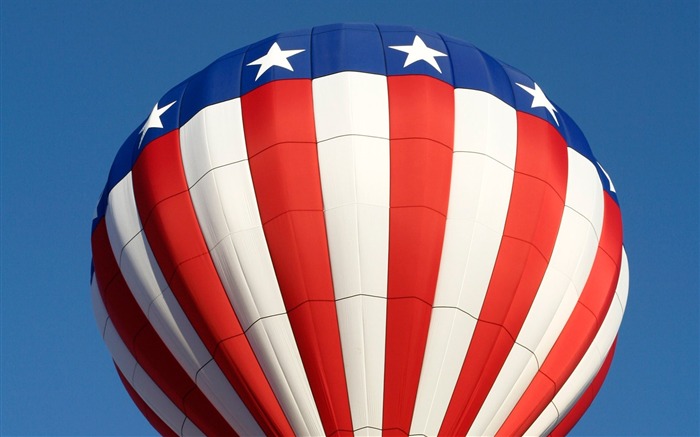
{"type": "Point", "coordinates": [359, 229]}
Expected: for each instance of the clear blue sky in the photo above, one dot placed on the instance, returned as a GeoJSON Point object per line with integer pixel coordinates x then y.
{"type": "Point", "coordinates": [79, 76]}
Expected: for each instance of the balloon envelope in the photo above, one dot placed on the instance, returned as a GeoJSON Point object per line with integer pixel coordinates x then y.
{"type": "Point", "coordinates": [359, 229]}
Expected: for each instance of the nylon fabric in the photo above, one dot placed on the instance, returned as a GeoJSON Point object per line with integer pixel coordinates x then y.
{"type": "Point", "coordinates": [284, 167]}
{"type": "Point", "coordinates": [482, 175]}
{"type": "Point", "coordinates": [421, 114]}
{"type": "Point", "coordinates": [234, 235]}
{"type": "Point", "coordinates": [359, 229]}
{"type": "Point", "coordinates": [572, 258]}
{"type": "Point", "coordinates": [172, 229]}
{"type": "Point", "coordinates": [593, 359]}
{"type": "Point", "coordinates": [576, 412]}
{"type": "Point", "coordinates": [579, 331]}
{"type": "Point", "coordinates": [352, 125]}
{"type": "Point", "coordinates": [534, 214]}
{"type": "Point", "coordinates": [146, 389]}
{"type": "Point", "coordinates": [152, 417]}
{"type": "Point", "coordinates": [151, 353]}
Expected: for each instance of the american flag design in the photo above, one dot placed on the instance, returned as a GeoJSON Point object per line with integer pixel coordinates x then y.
{"type": "Point", "coordinates": [359, 230]}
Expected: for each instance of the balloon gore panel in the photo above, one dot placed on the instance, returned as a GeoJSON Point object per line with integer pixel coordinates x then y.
{"type": "Point", "coordinates": [359, 230]}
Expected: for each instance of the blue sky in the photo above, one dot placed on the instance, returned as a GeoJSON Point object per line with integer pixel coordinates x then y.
{"type": "Point", "coordinates": [78, 77]}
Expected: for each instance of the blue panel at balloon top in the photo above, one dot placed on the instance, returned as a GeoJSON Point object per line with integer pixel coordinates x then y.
{"type": "Point", "coordinates": [347, 47]}
{"type": "Point", "coordinates": [476, 70]}
{"type": "Point", "coordinates": [219, 82]}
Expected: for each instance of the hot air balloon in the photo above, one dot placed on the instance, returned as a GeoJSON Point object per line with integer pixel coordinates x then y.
{"type": "Point", "coordinates": [359, 230]}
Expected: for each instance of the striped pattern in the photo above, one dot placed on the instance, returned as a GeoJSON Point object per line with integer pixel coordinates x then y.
{"type": "Point", "coordinates": [359, 247]}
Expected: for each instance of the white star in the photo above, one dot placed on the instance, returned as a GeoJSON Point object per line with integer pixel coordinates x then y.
{"type": "Point", "coordinates": [275, 57]}
{"type": "Point", "coordinates": [418, 51]}
{"type": "Point", "coordinates": [539, 100]}
{"type": "Point", "coordinates": [154, 119]}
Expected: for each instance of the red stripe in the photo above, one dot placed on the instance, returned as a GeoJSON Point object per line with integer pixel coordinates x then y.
{"type": "Point", "coordinates": [161, 427]}
{"type": "Point", "coordinates": [281, 141]}
{"type": "Point", "coordinates": [145, 345]}
{"type": "Point", "coordinates": [534, 215]}
{"type": "Point", "coordinates": [580, 329]}
{"type": "Point", "coordinates": [421, 111]}
{"type": "Point", "coordinates": [173, 232]}
{"type": "Point", "coordinates": [576, 412]}
{"type": "Point", "coordinates": [106, 267]}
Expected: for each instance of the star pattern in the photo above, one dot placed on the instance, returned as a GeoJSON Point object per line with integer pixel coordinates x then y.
{"type": "Point", "coordinates": [418, 51]}
{"type": "Point", "coordinates": [539, 100]}
{"type": "Point", "coordinates": [154, 120]}
{"type": "Point", "coordinates": [275, 57]}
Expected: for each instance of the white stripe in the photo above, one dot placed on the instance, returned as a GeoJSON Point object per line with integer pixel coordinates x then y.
{"type": "Point", "coordinates": [216, 387]}
{"type": "Point", "coordinates": [145, 280]}
{"type": "Point", "coordinates": [585, 193]}
{"type": "Point", "coordinates": [190, 429]}
{"type": "Point", "coordinates": [624, 281]}
{"type": "Point", "coordinates": [161, 405]}
{"type": "Point", "coordinates": [569, 266]}
{"type": "Point", "coordinates": [482, 178]}
{"type": "Point", "coordinates": [351, 103]}
{"type": "Point", "coordinates": [362, 324]}
{"type": "Point", "coordinates": [220, 126]}
{"type": "Point", "coordinates": [448, 340]}
{"type": "Point", "coordinates": [173, 327]}
{"type": "Point", "coordinates": [221, 187]}
{"type": "Point", "coordinates": [590, 364]}
{"type": "Point", "coordinates": [121, 216]}
{"type": "Point", "coordinates": [352, 128]}
{"type": "Point", "coordinates": [549, 415]}
{"type": "Point", "coordinates": [140, 382]}
{"type": "Point", "coordinates": [120, 354]}
{"type": "Point", "coordinates": [355, 181]}
{"type": "Point", "coordinates": [581, 228]}
{"type": "Point", "coordinates": [148, 286]}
